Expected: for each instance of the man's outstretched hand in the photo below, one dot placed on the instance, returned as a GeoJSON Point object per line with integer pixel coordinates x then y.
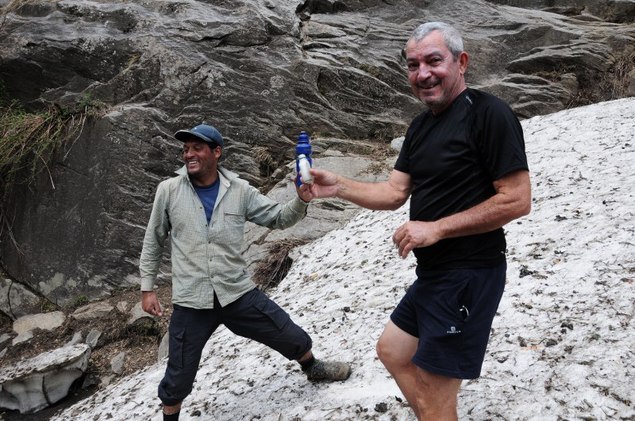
{"type": "Point", "coordinates": [325, 184]}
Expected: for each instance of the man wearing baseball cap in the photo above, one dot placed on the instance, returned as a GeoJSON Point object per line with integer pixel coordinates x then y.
{"type": "Point", "coordinates": [203, 210]}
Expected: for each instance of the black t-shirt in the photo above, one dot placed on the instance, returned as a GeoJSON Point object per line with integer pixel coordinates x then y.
{"type": "Point", "coordinates": [453, 159]}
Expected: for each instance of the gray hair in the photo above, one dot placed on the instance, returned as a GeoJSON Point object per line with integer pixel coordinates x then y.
{"type": "Point", "coordinates": [451, 36]}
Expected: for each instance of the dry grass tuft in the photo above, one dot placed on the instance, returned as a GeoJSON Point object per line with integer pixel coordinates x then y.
{"type": "Point", "coordinates": [12, 6]}
{"type": "Point", "coordinates": [28, 140]}
{"type": "Point", "coordinates": [620, 78]}
{"type": "Point", "coordinates": [610, 85]}
{"type": "Point", "coordinates": [271, 270]}
{"type": "Point", "coordinates": [266, 163]}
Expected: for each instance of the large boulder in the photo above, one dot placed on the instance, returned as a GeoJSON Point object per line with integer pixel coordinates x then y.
{"type": "Point", "coordinates": [261, 72]}
{"type": "Point", "coordinates": [40, 381]}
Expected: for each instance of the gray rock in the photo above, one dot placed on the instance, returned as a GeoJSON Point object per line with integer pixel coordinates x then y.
{"type": "Point", "coordinates": [16, 300]}
{"type": "Point", "coordinates": [260, 74]}
{"type": "Point", "coordinates": [22, 337]}
{"type": "Point", "coordinates": [44, 321]}
{"type": "Point", "coordinates": [117, 363]}
{"type": "Point", "coordinates": [164, 347]}
{"type": "Point", "coordinates": [76, 339]}
{"type": "Point", "coordinates": [610, 10]}
{"type": "Point", "coordinates": [41, 381]}
{"type": "Point", "coordinates": [106, 380]}
{"type": "Point", "coordinates": [137, 313]}
{"type": "Point", "coordinates": [122, 306]}
{"type": "Point", "coordinates": [397, 143]}
{"type": "Point", "coordinates": [142, 322]}
{"type": "Point", "coordinates": [92, 339]}
{"type": "Point", "coordinates": [93, 311]}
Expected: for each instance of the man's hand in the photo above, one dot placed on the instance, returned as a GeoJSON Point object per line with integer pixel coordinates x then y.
{"type": "Point", "coordinates": [304, 192]}
{"type": "Point", "coordinates": [415, 234]}
{"type": "Point", "coordinates": [150, 303]}
{"type": "Point", "coordinates": [324, 184]}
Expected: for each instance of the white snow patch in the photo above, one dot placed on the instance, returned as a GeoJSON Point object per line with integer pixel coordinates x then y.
{"type": "Point", "coordinates": [563, 344]}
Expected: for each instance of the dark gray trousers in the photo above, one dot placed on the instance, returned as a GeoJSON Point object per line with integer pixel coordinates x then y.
{"type": "Point", "coordinates": [254, 316]}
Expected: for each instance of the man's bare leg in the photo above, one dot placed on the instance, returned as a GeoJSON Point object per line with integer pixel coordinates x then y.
{"type": "Point", "coordinates": [431, 397]}
{"type": "Point", "coordinates": [436, 396]}
{"type": "Point", "coordinates": [306, 357]}
{"type": "Point", "coordinates": [395, 350]}
{"type": "Point", "coordinates": [171, 412]}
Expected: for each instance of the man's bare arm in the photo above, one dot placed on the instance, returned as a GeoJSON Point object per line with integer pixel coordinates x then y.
{"type": "Point", "coordinates": [386, 195]}
{"type": "Point", "coordinates": [512, 200]}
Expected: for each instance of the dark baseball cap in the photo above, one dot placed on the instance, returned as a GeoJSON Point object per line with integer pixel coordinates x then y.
{"type": "Point", "coordinates": [204, 132]}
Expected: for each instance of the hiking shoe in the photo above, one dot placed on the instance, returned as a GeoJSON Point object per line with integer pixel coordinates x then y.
{"type": "Point", "coordinates": [328, 371]}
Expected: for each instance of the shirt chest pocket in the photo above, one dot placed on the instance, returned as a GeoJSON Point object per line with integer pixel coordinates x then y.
{"type": "Point", "coordinates": [230, 226]}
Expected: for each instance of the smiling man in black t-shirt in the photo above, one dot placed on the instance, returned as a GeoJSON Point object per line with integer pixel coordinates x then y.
{"type": "Point", "coordinates": [463, 167]}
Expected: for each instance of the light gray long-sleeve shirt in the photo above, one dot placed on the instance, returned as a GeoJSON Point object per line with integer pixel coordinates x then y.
{"type": "Point", "coordinates": [206, 257]}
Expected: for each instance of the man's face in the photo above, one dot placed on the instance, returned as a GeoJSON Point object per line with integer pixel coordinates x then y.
{"type": "Point", "coordinates": [435, 77]}
{"type": "Point", "coordinates": [200, 160]}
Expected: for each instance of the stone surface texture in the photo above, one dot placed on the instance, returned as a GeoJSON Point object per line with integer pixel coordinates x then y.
{"type": "Point", "coordinates": [41, 381]}
{"type": "Point", "coordinates": [260, 71]}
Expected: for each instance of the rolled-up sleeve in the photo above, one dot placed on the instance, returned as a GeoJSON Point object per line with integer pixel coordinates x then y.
{"type": "Point", "coordinates": [264, 211]}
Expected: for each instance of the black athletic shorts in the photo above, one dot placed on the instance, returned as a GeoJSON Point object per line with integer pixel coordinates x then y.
{"type": "Point", "coordinates": [451, 313]}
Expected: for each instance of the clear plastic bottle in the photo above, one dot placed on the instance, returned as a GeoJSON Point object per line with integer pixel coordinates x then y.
{"type": "Point", "coordinates": [304, 166]}
{"type": "Point", "coordinates": [303, 159]}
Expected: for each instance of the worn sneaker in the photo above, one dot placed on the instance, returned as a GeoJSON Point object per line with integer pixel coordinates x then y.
{"type": "Point", "coordinates": [328, 371]}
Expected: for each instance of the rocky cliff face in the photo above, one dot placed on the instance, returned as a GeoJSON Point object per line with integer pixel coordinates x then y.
{"type": "Point", "coordinates": [260, 71]}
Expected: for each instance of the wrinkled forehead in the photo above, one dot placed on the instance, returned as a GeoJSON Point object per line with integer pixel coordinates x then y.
{"type": "Point", "coordinates": [433, 44]}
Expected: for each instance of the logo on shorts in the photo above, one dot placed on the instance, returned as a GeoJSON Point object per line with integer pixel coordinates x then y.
{"type": "Point", "coordinates": [453, 330]}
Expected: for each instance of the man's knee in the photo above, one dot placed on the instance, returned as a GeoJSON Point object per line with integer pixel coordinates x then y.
{"type": "Point", "coordinates": [176, 385]}
{"type": "Point", "coordinates": [395, 347]}
{"type": "Point", "coordinates": [384, 350]}
{"type": "Point", "coordinates": [391, 355]}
